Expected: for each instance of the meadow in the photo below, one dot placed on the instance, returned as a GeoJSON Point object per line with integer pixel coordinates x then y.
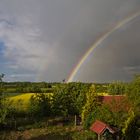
{"type": "Point", "coordinates": [20, 101]}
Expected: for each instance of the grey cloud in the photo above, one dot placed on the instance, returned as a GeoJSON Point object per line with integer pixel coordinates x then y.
{"type": "Point", "coordinates": [49, 37]}
{"type": "Point", "coordinates": [117, 58]}
{"type": "Point", "coordinates": [132, 70]}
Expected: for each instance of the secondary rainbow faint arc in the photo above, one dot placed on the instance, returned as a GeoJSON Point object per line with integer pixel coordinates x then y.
{"type": "Point", "coordinates": [99, 41]}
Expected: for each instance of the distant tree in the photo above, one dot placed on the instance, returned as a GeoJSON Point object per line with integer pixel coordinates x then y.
{"type": "Point", "coordinates": [100, 88]}
{"type": "Point", "coordinates": [64, 80]}
{"type": "Point", "coordinates": [49, 86]}
{"type": "Point", "coordinates": [117, 88]}
{"type": "Point", "coordinates": [1, 77]}
{"type": "Point", "coordinates": [19, 89]}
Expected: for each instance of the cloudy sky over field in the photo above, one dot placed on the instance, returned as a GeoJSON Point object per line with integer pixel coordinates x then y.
{"type": "Point", "coordinates": [43, 40]}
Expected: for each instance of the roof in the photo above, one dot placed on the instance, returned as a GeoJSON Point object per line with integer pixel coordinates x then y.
{"type": "Point", "coordinates": [100, 127]}
{"type": "Point", "coordinates": [110, 98]}
{"type": "Point", "coordinates": [115, 102]}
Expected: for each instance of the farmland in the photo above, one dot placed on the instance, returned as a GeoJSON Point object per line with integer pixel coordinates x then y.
{"type": "Point", "coordinates": [22, 101]}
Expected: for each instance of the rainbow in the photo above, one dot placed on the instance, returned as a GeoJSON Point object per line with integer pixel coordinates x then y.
{"type": "Point", "coordinates": [99, 41]}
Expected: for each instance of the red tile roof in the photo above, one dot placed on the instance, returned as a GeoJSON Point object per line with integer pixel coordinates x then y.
{"type": "Point", "coordinates": [115, 102]}
{"type": "Point", "coordinates": [100, 127]}
{"type": "Point", "coordinates": [111, 98]}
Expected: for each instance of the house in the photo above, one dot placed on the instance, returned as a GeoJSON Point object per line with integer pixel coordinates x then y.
{"type": "Point", "coordinates": [104, 131]}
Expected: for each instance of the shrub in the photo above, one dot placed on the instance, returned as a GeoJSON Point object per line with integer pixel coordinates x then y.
{"type": "Point", "coordinates": [39, 106]}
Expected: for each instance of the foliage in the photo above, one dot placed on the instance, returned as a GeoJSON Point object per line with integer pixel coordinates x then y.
{"type": "Point", "coordinates": [81, 90]}
{"type": "Point", "coordinates": [69, 98]}
{"type": "Point", "coordinates": [91, 103]}
{"type": "Point", "coordinates": [25, 87]}
{"type": "Point", "coordinates": [63, 101]}
{"type": "Point", "coordinates": [40, 105]}
{"type": "Point", "coordinates": [117, 88]}
{"type": "Point", "coordinates": [128, 121]}
{"type": "Point", "coordinates": [111, 114]}
{"type": "Point", "coordinates": [3, 111]}
{"type": "Point", "coordinates": [132, 130]}
{"type": "Point", "coordinates": [134, 93]}
{"type": "Point", "coordinates": [22, 101]}
{"type": "Point", "coordinates": [101, 87]}
{"type": "Point", "coordinates": [132, 124]}
{"type": "Point", "coordinates": [84, 135]}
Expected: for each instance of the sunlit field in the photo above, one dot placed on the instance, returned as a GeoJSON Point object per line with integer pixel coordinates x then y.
{"type": "Point", "coordinates": [22, 101]}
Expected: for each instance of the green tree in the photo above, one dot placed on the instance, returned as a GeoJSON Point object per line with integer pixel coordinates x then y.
{"type": "Point", "coordinates": [91, 103]}
{"type": "Point", "coordinates": [133, 93]}
{"type": "Point", "coordinates": [117, 88]}
{"type": "Point", "coordinates": [40, 105]}
{"type": "Point", "coordinates": [69, 98]}
{"type": "Point", "coordinates": [64, 101]}
{"type": "Point", "coordinates": [132, 125]}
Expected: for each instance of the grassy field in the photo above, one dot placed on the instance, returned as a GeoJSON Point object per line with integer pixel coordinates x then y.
{"type": "Point", "coordinates": [22, 101]}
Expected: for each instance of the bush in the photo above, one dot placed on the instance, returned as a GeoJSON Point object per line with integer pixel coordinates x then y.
{"type": "Point", "coordinates": [39, 106]}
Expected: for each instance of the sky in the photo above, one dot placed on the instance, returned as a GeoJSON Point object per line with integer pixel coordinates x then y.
{"type": "Point", "coordinates": [43, 40]}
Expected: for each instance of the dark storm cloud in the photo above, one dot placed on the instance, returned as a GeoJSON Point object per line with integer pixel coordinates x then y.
{"type": "Point", "coordinates": [50, 36]}
{"type": "Point", "coordinates": [82, 29]}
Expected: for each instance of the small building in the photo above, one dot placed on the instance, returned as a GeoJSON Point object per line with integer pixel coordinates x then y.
{"type": "Point", "coordinates": [104, 131]}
